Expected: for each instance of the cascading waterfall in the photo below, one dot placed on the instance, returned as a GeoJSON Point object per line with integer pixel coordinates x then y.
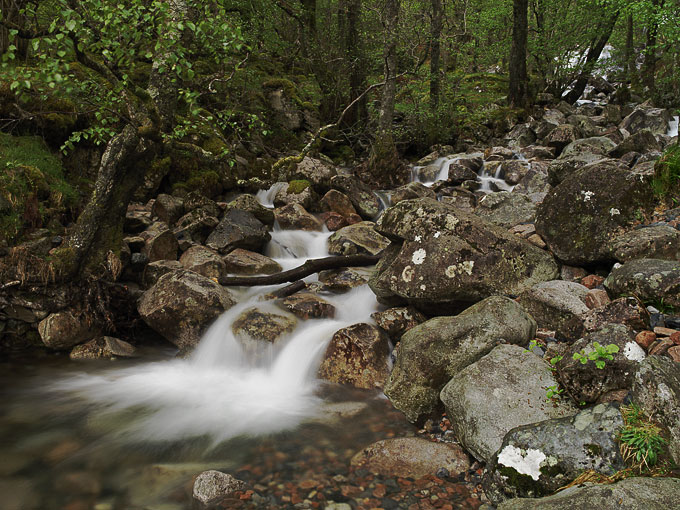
{"type": "Point", "coordinates": [221, 391]}
{"type": "Point", "coordinates": [673, 126]}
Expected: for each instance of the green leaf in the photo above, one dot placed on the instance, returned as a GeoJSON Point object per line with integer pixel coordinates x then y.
{"type": "Point", "coordinates": [71, 25]}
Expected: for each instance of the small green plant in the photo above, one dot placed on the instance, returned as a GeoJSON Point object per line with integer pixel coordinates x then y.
{"type": "Point", "coordinates": [666, 180]}
{"type": "Point", "coordinates": [641, 440]}
{"type": "Point", "coordinates": [660, 305]}
{"type": "Point", "coordinates": [600, 354]}
{"type": "Point", "coordinates": [555, 360]}
{"type": "Point", "coordinates": [532, 345]}
{"type": "Point", "coordinates": [553, 392]}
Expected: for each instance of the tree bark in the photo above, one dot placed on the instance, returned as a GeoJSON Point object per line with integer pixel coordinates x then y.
{"type": "Point", "coordinates": [518, 95]}
{"type": "Point", "coordinates": [386, 115]}
{"type": "Point", "coordinates": [649, 65]}
{"type": "Point", "coordinates": [310, 267]}
{"type": "Point", "coordinates": [435, 52]}
{"type": "Point", "coordinates": [592, 57]}
{"type": "Point", "coordinates": [357, 71]}
{"type": "Point", "coordinates": [630, 50]}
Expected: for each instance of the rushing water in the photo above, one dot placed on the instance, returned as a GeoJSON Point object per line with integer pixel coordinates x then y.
{"type": "Point", "coordinates": [673, 126]}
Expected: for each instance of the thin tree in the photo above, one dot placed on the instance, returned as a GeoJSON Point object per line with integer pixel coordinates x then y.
{"type": "Point", "coordinates": [518, 94]}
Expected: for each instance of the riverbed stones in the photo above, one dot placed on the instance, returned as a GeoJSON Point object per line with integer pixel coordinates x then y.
{"type": "Point", "coordinates": [255, 325]}
{"type": "Point", "coordinates": [648, 279]}
{"type": "Point", "coordinates": [160, 243]}
{"type": "Point", "coordinates": [246, 262]}
{"type": "Point", "coordinates": [561, 168]}
{"type": "Point", "coordinates": [154, 270]}
{"type": "Point", "coordinates": [357, 356]}
{"type": "Point", "coordinates": [342, 280]}
{"type": "Point", "coordinates": [433, 352]}
{"type": "Point", "coordinates": [307, 305]}
{"type": "Point", "coordinates": [642, 141]}
{"type": "Point", "coordinates": [238, 229]}
{"type": "Point", "coordinates": [655, 242]}
{"type": "Point", "coordinates": [397, 321]}
{"type": "Point", "coordinates": [444, 259]}
{"type": "Point", "coordinates": [317, 172]}
{"type": "Point", "coordinates": [296, 217]}
{"type": "Point", "coordinates": [561, 136]}
{"type": "Point", "coordinates": [296, 192]}
{"type": "Point", "coordinates": [203, 261]}
{"type": "Point", "coordinates": [596, 145]}
{"type": "Point", "coordinates": [554, 303]}
{"type": "Point", "coordinates": [181, 305]}
{"type": "Point", "coordinates": [413, 190]}
{"type": "Point", "coordinates": [360, 238]}
{"type": "Point", "coordinates": [167, 208]}
{"type": "Point", "coordinates": [63, 330]}
{"type": "Point", "coordinates": [580, 216]}
{"type": "Point", "coordinates": [411, 457]}
{"type": "Point", "coordinates": [361, 196]}
{"type": "Point", "coordinates": [211, 486]}
{"type": "Point", "coordinates": [195, 226]}
{"type": "Point", "coordinates": [586, 382]}
{"type": "Point", "coordinates": [335, 201]}
{"type": "Point", "coordinates": [656, 389]}
{"type": "Point", "coordinates": [503, 390]}
{"type": "Point", "coordinates": [104, 347]}
{"type": "Point", "coordinates": [506, 209]}
{"type": "Point", "coordinates": [249, 203]}
{"type": "Point", "coordinates": [537, 459]}
{"type": "Point", "coordinates": [644, 117]}
{"type": "Point", "coordinates": [641, 493]}
{"type": "Point", "coordinates": [628, 311]}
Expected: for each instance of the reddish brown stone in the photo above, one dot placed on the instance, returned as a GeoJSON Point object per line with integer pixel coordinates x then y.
{"type": "Point", "coordinates": [592, 281]}
{"type": "Point", "coordinates": [645, 339]}
{"type": "Point", "coordinates": [676, 338]}
{"type": "Point", "coordinates": [674, 353]}
{"type": "Point", "coordinates": [354, 218]}
{"type": "Point", "coordinates": [334, 221]}
{"type": "Point", "coordinates": [664, 331]}
{"type": "Point", "coordinates": [597, 298]}
{"type": "Point", "coordinates": [661, 347]}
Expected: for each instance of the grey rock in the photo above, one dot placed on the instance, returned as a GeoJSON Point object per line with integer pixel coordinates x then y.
{"type": "Point", "coordinates": [642, 141]}
{"type": "Point", "coordinates": [503, 390]}
{"type": "Point", "coordinates": [537, 459]}
{"type": "Point", "coordinates": [506, 209]}
{"type": "Point", "coordinates": [247, 262]}
{"type": "Point", "coordinates": [357, 239]}
{"type": "Point", "coordinates": [436, 350]}
{"type": "Point", "coordinates": [167, 208]}
{"type": "Point", "coordinates": [238, 229]}
{"type": "Point", "coordinates": [554, 303]}
{"type": "Point", "coordinates": [648, 279]}
{"type": "Point", "coordinates": [63, 330]}
{"type": "Point", "coordinates": [361, 196]}
{"type": "Point", "coordinates": [658, 242]}
{"type": "Point", "coordinates": [644, 117]}
{"type": "Point", "coordinates": [211, 486]}
{"type": "Point", "coordinates": [296, 217]}
{"type": "Point", "coordinates": [203, 261]}
{"type": "Point", "coordinates": [250, 204]}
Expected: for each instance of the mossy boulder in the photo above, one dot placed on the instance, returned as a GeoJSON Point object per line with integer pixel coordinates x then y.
{"type": "Point", "coordinates": [648, 280]}
{"type": "Point", "coordinates": [580, 216]}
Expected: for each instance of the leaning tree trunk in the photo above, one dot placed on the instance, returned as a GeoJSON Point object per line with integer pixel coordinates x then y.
{"type": "Point", "coordinates": [435, 52]}
{"type": "Point", "coordinates": [591, 59]}
{"type": "Point", "coordinates": [518, 94]}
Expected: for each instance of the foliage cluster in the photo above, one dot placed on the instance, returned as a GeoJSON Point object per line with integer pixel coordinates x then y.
{"type": "Point", "coordinates": [600, 354]}
{"type": "Point", "coordinates": [666, 181]}
{"type": "Point", "coordinates": [642, 442]}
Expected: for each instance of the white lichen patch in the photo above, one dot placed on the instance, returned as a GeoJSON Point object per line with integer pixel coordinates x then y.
{"type": "Point", "coordinates": [419, 256]}
{"type": "Point", "coordinates": [634, 352]}
{"type": "Point", "coordinates": [417, 239]}
{"type": "Point", "coordinates": [437, 234]}
{"type": "Point", "coordinates": [458, 269]}
{"type": "Point", "coordinates": [525, 463]}
{"type": "Point", "coordinates": [420, 212]}
{"type": "Point", "coordinates": [407, 274]}
{"type": "Point", "coordinates": [587, 195]}
{"type": "Point", "coordinates": [423, 287]}
{"type": "Point", "coordinates": [451, 221]}
{"type": "Point", "coordinates": [613, 212]}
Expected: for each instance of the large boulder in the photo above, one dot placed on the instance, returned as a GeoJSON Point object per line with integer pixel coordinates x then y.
{"type": "Point", "coordinates": [413, 190]}
{"type": "Point", "coordinates": [644, 117]}
{"type": "Point", "coordinates": [579, 217]}
{"type": "Point", "coordinates": [361, 196]}
{"type": "Point", "coordinates": [411, 457]}
{"type": "Point", "coordinates": [357, 239]}
{"type": "Point", "coordinates": [655, 242]}
{"type": "Point", "coordinates": [642, 141]}
{"type": "Point", "coordinates": [238, 229]}
{"type": "Point", "coordinates": [167, 208]}
{"type": "Point", "coordinates": [358, 356]}
{"type": "Point", "coordinates": [195, 226]}
{"type": "Point", "coordinates": [335, 201]}
{"type": "Point", "coordinates": [587, 382]}
{"type": "Point", "coordinates": [443, 258]}
{"type": "Point", "coordinates": [628, 311]}
{"type": "Point", "coordinates": [203, 261]}
{"type": "Point", "coordinates": [181, 305]}
{"type": "Point", "coordinates": [397, 321]}
{"type": "Point", "coordinates": [561, 168]}
{"type": "Point", "coordinates": [297, 192]}
{"type": "Point", "coordinates": [63, 330]}
{"type": "Point", "coordinates": [160, 243]}
{"type": "Point", "coordinates": [503, 390]}
{"type": "Point", "coordinates": [250, 204]}
{"type": "Point", "coordinates": [296, 217]}
{"type": "Point", "coordinates": [596, 145]}
{"type": "Point", "coordinates": [433, 352]}
{"type": "Point", "coordinates": [317, 172]}
{"type": "Point", "coordinates": [656, 389]}
{"type": "Point", "coordinates": [537, 459]}
{"type": "Point", "coordinates": [247, 262]}
{"type": "Point", "coordinates": [630, 494]}
{"type": "Point", "coordinates": [648, 279]}
{"type": "Point", "coordinates": [506, 209]}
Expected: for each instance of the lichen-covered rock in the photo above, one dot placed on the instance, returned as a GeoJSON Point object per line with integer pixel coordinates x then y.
{"type": "Point", "coordinates": [501, 391]}
{"type": "Point", "coordinates": [160, 243]}
{"type": "Point", "coordinates": [413, 190]}
{"type": "Point", "coordinates": [411, 457]}
{"type": "Point", "coordinates": [579, 217]}
{"type": "Point", "coordinates": [656, 389]}
{"type": "Point", "coordinates": [561, 168]}
{"type": "Point", "coordinates": [628, 311]}
{"type": "Point", "coordinates": [212, 486]}
{"type": "Point", "coordinates": [642, 493]}
{"type": "Point", "coordinates": [181, 305]}
{"type": "Point", "coordinates": [357, 239]}
{"type": "Point", "coordinates": [358, 356]}
{"type": "Point", "coordinates": [648, 279]}
{"type": "Point", "coordinates": [554, 303]}
{"type": "Point", "coordinates": [657, 242]}
{"type": "Point", "coordinates": [250, 204]}
{"type": "Point", "coordinates": [195, 226]}
{"type": "Point", "coordinates": [561, 136]}
{"type": "Point", "coordinates": [104, 347]}
{"type": "Point", "coordinates": [642, 141]}
{"type": "Point", "coordinates": [247, 262]}
{"type": "Point", "coordinates": [397, 321]}
{"type": "Point", "coordinates": [296, 193]}
{"type": "Point", "coordinates": [296, 217]}
{"type": "Point", "coordinates": [307, 305]}
{"type": "Point", "coordinates": [506, 209]}
{"type": "Point", "coordinates": [537, 459]}
{"type": "Point", "coordinates": [596, 145]}
{"type": "Point", "coordinates": [436, 350]}
{"type": "Point", "coordinates": [238, 229]}
{"type": "Point", "coordinates": [361, 196]}
{"type": "Point", "coordinates": [644, 117]}
{"type": "Point", "coordinates": [341, 280]}
{"type": "Point", "coordinates": [317, 172]}
{"type": "Point", "coordinates": [585, 382]}
{"type": "Point", "coordinates": [63, 330]}
{"type": "Point", "coordinates": [255, 325]}
{"type": "Point", "coordinates": [203, 261]}
{"type": "Point", "coordinates": [444, 259]}
{"type": "Point", "coordinates": [153, 271]}
{"type": "Point", "coordinates": [335, 201]}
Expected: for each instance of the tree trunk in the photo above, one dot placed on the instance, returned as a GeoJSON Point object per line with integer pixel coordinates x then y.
{"type": "Point", "coordinates": [435, 52]}
{"type": "Point", "coordinates": [357, 71]}
{"type": "Point", "coordinates": [649, 65]}
{"type": "Point", "coordinates": [630, 50]}
{"type": "Point", "coordinates": [518, 95]}
{"type": "Point", "coordinates": [389, 91]}
{"type": "Point", "coordinates": [592, 57]}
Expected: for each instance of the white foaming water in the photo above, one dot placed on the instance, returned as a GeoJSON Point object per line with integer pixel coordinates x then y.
{"type": "Point", "coordinates": [428, 180]}
{"type": "Point", "coordinates": [223, 390]}
{"type": "Point", "coordinates": [490, 183]}
{"type": "Point", "coordinates": [673, 126]}
{"type": "Point", "coordinates": [266, 197]}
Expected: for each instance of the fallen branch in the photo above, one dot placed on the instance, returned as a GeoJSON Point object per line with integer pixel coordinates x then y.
{"type": "Point", "coordinates": [310, 267]}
